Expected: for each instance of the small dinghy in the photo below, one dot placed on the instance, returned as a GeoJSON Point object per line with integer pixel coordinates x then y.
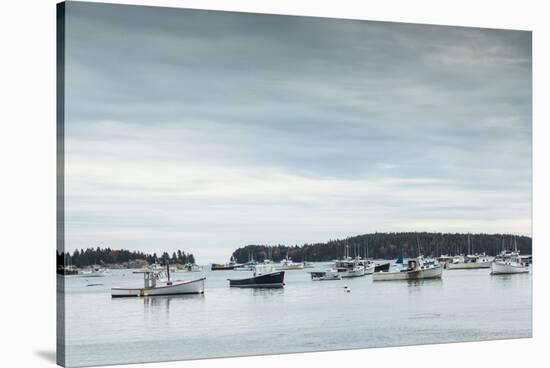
{"type": "Point", "coordinates": [264, 277]}
{"type": "Point", "coordinates": [158, 283]}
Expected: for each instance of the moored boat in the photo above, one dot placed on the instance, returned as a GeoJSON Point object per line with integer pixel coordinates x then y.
{"type": "Point", "coordinates": [349, 268]}
{"type": "Point", "coordinates": [265, 276]}
{"type": "Point", "coordinates": [158, 283]}
{"type": "Point", "coordinates": [94, 271]}
{"type": "Point", "coordinates": [352, 267]}
{"type": "Point", "coordinates": [225, 266]}
{"type": "Point", "coordinates": [508, 263]}
{"type": "Point", "coordinates": [69, 270]}
{"type": "Point", "coordinates": [248, 266]}
{"type": "Point", "coordinates": [289, 264]}
{"type": "Point", "coordinates": [192, 267]}
{"type": "Point", "coordinates": [470, 261]}
{"type": "Point", "coordinates": [382, 267]}
{"type": "Point", "coordinates": [327, 275]}
{"type": "Point", "coordinates": [417, 268]}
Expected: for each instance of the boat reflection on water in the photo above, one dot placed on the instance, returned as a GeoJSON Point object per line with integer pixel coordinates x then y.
{"type": "Point", "coordinates": [419, 282]}
{"type": "Point", "coordinates": [267, 292]}
{"type": "Point", "coordinates": [166, 300]}
{"type": "Point", "coordinates": [161, 301]}
{"type": "Point", "coordinates": [509, 279]}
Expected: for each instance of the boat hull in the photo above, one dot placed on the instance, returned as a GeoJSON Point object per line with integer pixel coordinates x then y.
{"type": "Point", "coordinates": [369, 270]}
{"type": "Point", "coordinates": [268, 280]}
{"type": "Point", "coordinates": [290, 267]}
{"type": "Point", "coordinates": [325, 276]}
{"type": "Point", "coordinates": [468, 266]}
{"type": "Point", "coordinates": [352, 273]}
{"type": "Point", "coordinates": [221, 267]}
{"type": "Point", "coordinates": [384, 267]}
{"type": "Point", "coordinates": [501, 268]}
{"type": "Point", "coordinates": [429, 273]}
{"type": "Point", "coordinates": [177, 288]}
{"type": "Point", "coordinates": [102, 274]}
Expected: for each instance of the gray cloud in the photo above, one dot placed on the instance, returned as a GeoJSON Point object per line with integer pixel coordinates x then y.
{"type": "Point", "coordinates": [206, 130]}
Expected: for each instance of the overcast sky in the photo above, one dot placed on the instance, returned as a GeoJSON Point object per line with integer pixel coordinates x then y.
{"type": "Point", "coordinates": [206, 131]}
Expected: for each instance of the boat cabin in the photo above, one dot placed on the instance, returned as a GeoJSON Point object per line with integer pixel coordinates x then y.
{"type": "Point", "coordinates": [150, 278]}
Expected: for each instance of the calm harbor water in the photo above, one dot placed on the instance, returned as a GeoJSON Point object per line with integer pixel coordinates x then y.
{"type": "Point", "coordinates": [466, 305]}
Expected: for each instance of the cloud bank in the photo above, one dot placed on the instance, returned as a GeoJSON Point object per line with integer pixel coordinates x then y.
{"type": "Point", "coordinates": [206, 131]}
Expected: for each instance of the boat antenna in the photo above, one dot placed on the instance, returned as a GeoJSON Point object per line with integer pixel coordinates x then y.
{"type": "Point", "coordinates": [168, 272]}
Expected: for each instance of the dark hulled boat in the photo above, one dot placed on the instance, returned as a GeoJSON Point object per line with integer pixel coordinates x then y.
{"type": "Point", "coordinates": [263, 278]}
{"type": "Point", "coordinates": [384, 267]}
{"type": "Point", "coordinates": [220, 267]}
{"type": "Point", "coordinates": [227, 266]}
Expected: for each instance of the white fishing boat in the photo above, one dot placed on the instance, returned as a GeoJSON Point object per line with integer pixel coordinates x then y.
{"type": "Point", "coordinates": [158, 283]}
{"type": "Point", "coordinates": [191, 267]}
{"type": "Point", "coordinates": [288, 264]}
{"type": "Point", "coordinates": [470, 261]}
{"type": "Point", "coordinates": [417, 269]}
{"type": "Point", "coordinates": [367, 264]}
{"type": "Point", "coordinates": [94, 271]}
{"type": "Point", "coordinates": [445, 259]}
{"type": "Point", "coordinates": [69, 270]}
{"type": "Point", "coordinates": [248, 266]}
{"type": "Point", "coordinates": [508, 263]}
{"type": "Point", "coordinates": [327, 275]}
{"type": "Point", "coordinates": [350, 267]}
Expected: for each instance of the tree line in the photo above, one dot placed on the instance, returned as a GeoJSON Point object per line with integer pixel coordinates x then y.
{"type": "Point", "coordinates": [388, 246]}
{"type": "Point", "coordinates": [107, 256]}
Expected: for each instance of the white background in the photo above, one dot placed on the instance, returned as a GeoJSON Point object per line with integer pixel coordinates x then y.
{"type": "Point", "coordinates": [27, 180]}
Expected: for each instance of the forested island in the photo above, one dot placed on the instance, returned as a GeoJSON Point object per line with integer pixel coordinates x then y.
{"type": "Point", "coordinates": [121, 257]}
{"type": "Point", "coordinates": [388, 246]}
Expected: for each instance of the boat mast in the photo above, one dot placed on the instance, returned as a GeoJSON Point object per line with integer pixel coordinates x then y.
{"type": "Point", "coordinates": [168, 272]}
